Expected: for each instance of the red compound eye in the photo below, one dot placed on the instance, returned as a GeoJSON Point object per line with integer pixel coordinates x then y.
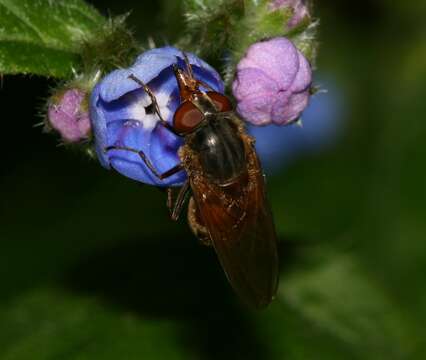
{"type": "Point", "coordinates": [187, 117]}
{"type": "Point", "coordinates": [221, 101]}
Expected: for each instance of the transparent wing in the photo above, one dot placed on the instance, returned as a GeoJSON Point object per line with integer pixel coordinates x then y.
{"type": "Point", "coordinates": [242, 231]}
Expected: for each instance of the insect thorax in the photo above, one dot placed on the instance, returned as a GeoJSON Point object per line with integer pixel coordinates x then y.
{"type": "Point", "coordinates": [220, 149]}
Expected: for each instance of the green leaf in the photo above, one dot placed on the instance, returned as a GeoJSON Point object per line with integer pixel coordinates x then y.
{"type": "Point", "coordinates": [334, 296]}
{"type": "Point", "coordinates": [339, 296]}
{"type": "Point", "coordinates": [53, 324]}
{"type": "Point", "coordinates": [43, 37]}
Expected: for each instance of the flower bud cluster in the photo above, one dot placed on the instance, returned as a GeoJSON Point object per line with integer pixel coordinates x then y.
{"type": "Point", "coordinates": [272, 81]}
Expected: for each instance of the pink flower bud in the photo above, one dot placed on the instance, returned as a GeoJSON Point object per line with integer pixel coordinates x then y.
{"type": "Point", "coordinates": [272, 83]}
{"type": "Point", "coordinates": [68, 115]}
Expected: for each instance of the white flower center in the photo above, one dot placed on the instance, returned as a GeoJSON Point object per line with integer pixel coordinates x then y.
{"type": "Point", "coordinates": [144, 111]}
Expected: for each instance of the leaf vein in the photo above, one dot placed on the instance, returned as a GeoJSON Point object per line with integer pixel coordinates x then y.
{"type": "Point", "coordinates": [23, 19]}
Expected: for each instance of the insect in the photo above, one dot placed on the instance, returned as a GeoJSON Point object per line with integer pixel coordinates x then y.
{"type": "Point", "coordinates": [228, 208]}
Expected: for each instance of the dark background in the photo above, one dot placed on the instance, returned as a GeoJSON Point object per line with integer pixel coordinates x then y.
{"type": "Point", "coordinates": [91, 267]}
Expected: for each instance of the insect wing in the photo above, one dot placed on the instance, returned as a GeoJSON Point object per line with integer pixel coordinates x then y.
{"type": "Point", "coordinates": [241, 228]}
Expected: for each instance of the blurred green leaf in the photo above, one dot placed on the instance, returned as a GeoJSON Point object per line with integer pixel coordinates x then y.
{"type": "Point", "coordinates": [334, 294]}
{"type": "Point", "coordinates": [51, 324]}
{"type": "Point", "coordinates": [42, 36]}
{"type": "Point", "coordinates": [330, 307]}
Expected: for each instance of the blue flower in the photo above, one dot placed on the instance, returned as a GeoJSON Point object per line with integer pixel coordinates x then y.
{"type": "Point", "coordinates": [122, 114]}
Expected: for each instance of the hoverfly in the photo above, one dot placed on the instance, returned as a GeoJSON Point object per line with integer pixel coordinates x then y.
{"type": "Point", "coordinates": [228, 208]}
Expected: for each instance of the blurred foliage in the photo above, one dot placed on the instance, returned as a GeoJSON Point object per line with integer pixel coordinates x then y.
{"type": "Point", "coordinates": [91, 267]}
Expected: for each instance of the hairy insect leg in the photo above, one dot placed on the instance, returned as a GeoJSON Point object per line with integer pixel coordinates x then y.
{"type": "Point", "coordinates": [154, 103]}
{"type": "Point", "coordinates": [196, 224]}
{"type": "Point", "coordinates": [175, 169]}
{"type": "Point", "coordinates": [175, 208]}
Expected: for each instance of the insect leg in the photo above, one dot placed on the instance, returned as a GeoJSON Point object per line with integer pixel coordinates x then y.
{"type": "Point", "coordinates": [176, 208]}
{"type": "Point", "coordinates": [169, 202]}
{"type": "Point", "coordinates": [196, 224]}
{"type": "Point", "coordinates": [155, 103]}
{"type": "Point", "coordinates": [168, 173]}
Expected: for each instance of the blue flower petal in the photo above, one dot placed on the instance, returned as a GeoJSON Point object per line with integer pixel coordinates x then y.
{"type": "Point", "coordinates": [121, 114]}
{"type": "Point", "coordinates": [99, 126]}
{"type": "Point", "coordinates": [131, 134]}
{"type": "Point", "coordinates": [147, 67]}
{"type": "Point", "coordinates": [116, 84]}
